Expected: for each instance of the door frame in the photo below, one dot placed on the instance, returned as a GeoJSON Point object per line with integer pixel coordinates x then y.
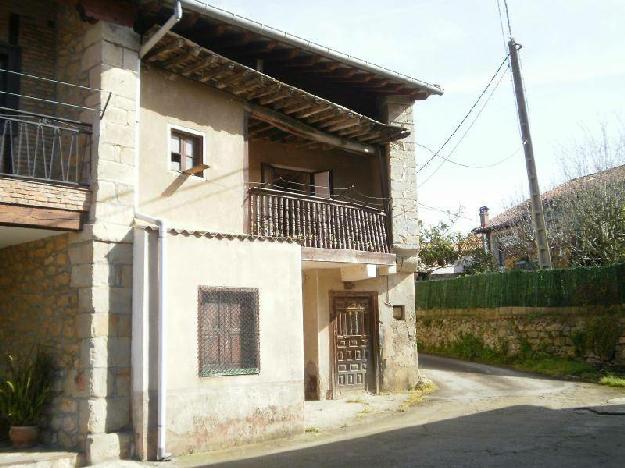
{"type": "Point", "coordinates": [374, 324]}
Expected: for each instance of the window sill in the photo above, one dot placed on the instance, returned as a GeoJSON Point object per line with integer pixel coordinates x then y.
{"type": "Point", "coordinates": [230, 372]}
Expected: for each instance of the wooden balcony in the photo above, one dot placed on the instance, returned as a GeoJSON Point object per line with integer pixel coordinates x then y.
{"type": "Point", "coordinates": [316, 222]}
{"type": "Point", "coordinates": [44, 171]}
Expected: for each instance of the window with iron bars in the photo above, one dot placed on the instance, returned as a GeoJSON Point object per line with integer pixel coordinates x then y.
{"type": "Point", "coordinates": [228, 336]}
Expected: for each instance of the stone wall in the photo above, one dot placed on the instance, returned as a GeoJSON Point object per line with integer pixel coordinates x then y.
{"type": "Point", "coordinates": [36, 39]}
{"type": "Point", "coordinates": [44, 194]}
{"type": "Point", "coordinates": [39, 306]}
{"type": "Point", "coordinates": [590, 333]}
{"type": "Point", "coordinates": [103, 251]}
{"type": "Point", "coordinates": [403, 177]}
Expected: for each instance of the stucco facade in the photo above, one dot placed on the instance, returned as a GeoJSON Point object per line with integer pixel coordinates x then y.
{"type": "Point", "coordinates": [208, 412]}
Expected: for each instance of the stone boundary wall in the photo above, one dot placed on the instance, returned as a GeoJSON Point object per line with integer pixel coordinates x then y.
{"type": "Point", "coordinates": [592, 333]}
{"type": "Point", "coordinates": [44, 194]}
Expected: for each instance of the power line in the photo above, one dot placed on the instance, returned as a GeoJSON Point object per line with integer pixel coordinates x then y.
{"type": "Point", "coordinates": [49, 101]}
{"type": "Point", "coordinates": [444, 211]}
{"type": "Point", "coordinates": [51, 80]}
{"type": "Point", "coordinates": [471, 109]}
{"type": "Point", "coordinates": [473, 166]}
{"type": "Point", "coordinates": [466, 131]}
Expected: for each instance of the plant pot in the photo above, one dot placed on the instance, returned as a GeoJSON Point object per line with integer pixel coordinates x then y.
{"type": "Point", "coordinates": [23, 436]}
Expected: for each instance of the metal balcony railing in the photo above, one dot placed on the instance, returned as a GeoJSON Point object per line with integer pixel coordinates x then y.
{"type": "Point", "coordinates": [40, 147]}
{"type": "Point", "coordinates": [317, 222]}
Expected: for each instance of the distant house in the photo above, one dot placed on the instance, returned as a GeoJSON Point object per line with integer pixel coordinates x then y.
{"type": "Point", "coordinates": [503, 232]}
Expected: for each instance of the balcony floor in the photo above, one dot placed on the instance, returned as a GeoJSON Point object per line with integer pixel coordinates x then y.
{"type": "Point", "coordinates": [333, 258]}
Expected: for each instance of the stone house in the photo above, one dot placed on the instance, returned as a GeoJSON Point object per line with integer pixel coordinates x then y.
{"type": "Point", "coordinates": [503, 233]}
{"type": "Point", "coordinates": [205, 220]}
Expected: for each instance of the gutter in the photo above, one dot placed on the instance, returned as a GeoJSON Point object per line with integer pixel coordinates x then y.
{"type": "Point", "coordinates": [162, 243]}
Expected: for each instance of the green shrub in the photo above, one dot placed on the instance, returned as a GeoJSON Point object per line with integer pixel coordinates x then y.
{"type": "Point", "coordinates": [26, 389]}
{"type": "Point", "coordinates": [579, 339]}
{"type": "Point", "coordinates": [602, 336]}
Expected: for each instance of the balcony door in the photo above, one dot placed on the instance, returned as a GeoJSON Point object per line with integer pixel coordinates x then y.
{"type": "Point", "coordinates": [296, 180]}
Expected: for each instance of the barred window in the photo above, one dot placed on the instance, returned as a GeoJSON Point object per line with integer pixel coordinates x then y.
{"type": "Point", "coordinates": [228, 337]}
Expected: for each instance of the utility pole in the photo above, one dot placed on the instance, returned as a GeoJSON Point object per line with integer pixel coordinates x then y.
{"type": "Point", "coordinates": [538, 217]}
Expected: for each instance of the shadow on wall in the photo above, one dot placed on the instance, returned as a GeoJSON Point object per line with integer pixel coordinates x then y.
{"type": "Point", "coordinates": [513, 436]}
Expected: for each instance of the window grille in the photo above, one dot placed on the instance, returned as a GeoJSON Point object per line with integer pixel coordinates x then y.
{"type": "Point", "coordinates": [228, 336]}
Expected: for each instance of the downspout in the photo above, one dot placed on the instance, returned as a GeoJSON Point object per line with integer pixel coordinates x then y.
{"type": "Point", "coordinates": [162, 242]}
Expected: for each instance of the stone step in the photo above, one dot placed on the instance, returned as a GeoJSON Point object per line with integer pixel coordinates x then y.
{"type": "Point", "coordinates": [38, 458]}
{"type": "Point", "coordinates": [108, 447]}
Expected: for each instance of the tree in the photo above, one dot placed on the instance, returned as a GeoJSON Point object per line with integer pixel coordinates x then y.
{"type": "Point", "coordinates": [440, 246]}
{"type": "Point", "coordinates": [586, 217]}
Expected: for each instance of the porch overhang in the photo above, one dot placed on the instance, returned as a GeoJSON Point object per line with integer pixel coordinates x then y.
{"type": "Point", "coordinates": [291, 113]}
{"type": "Point", "coordinates": [336, 258]}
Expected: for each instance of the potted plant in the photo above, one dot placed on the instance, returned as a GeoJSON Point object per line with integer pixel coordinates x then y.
{"type": "Point", "coordinates": [24, 393]}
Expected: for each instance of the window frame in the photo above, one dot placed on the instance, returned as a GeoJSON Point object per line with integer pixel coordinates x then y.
{"type": "Point", "coordinates": [268, 170]}
{"type": "Point", "coordinates": [200, 139]}
{"type": "Point", "coordinates": [203, 368]}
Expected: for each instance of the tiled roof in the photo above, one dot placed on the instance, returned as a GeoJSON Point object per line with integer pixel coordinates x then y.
{"type": "Point", "coordinates": [222, 235]}
{"type": "Point", "coordinates": [512, 215]}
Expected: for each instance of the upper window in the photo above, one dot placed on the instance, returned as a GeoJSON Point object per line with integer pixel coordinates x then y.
{"type": "Point", "coordinates": [228, 337]}
{"type": "Point", "coordinates": [186, 153]}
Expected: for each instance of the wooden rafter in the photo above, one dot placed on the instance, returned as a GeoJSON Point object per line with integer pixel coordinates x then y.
{"type": "Point", "coordinates": [321, 120]}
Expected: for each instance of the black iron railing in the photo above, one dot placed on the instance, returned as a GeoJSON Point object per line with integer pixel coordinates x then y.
{"type": "Point", "coordinates": [317, 222]}
{"type": "Point", "coordinates": [41, 147]}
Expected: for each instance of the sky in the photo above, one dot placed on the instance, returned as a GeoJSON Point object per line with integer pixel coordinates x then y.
{"type": "Point", "coordinates": [573, 63]}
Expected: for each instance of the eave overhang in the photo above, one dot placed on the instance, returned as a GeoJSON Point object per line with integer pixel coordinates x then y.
{"type": "Point", "coordinates": [236, 36]}
{"type": "Point", "coordinates": [295, 113]}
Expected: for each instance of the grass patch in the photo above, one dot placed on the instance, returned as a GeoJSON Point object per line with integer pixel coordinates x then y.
{"type": "Point", "coordinates": [557, 367]}
{"type": "Point", "coordinates": [612, 380]}
{"type": "Point", "coordinates": [416, 396]}
{"type": "Point", "coordinates": [312, 430]}
{"type": "Point", "coordinates": [472, 348]}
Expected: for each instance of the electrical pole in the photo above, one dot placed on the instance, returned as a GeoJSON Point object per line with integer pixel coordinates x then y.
{"type": "Point", "coordinates": [538, 217]}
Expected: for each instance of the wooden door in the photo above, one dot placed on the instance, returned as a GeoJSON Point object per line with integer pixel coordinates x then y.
{"type": "Point", "coordinates": [353, 344]}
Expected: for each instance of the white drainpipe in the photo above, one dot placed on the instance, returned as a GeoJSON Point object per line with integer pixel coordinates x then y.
{"type": "Point", "coordinates": [162, 243]}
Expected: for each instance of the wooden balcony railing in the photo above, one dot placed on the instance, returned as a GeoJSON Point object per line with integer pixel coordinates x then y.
{"type": "Point", "coordinates": [317, 222]}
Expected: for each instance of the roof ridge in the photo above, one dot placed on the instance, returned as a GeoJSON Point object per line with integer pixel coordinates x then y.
{"type": "Point", "coordinates": [509, 215]}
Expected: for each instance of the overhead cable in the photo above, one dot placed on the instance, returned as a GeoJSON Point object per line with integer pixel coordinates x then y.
{"type": "Point", "coordinates": [467, 115]}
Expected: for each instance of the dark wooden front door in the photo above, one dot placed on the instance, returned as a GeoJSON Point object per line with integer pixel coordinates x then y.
{"type": "Point", "coordinates": [353, 344]}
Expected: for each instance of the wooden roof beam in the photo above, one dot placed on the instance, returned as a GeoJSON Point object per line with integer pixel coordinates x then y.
{"type": "Point", "coordinates": [313, 111]}
{"type": "Point", "coordinates": [296, 127]}
{"type": "Point", "coordinates": [259, 48]}
{"type": "Point", "coordinates": [305, 62]}
{"type": "Point", "coordinates": [203, 65]}
{"type": "Point", "coordinates": [278, 96]}
{"type": "Point", "coordinates": [342, 126]}
{"type": "Point", "coordinates": [242, 40]}
{"type": "Point", "coordinates": [298, 107]}
{"type": "Point", "coordinates": [330, 113]}
{"type": "Point", "coordinates": [247, 87]}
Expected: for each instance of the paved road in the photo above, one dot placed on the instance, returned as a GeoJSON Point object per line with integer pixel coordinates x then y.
{"type": "Point", "coordinates": [481, 417]}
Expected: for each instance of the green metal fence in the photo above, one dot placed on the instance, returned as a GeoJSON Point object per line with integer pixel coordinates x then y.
{"type": "Point", "coordinates": [546, 288]}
